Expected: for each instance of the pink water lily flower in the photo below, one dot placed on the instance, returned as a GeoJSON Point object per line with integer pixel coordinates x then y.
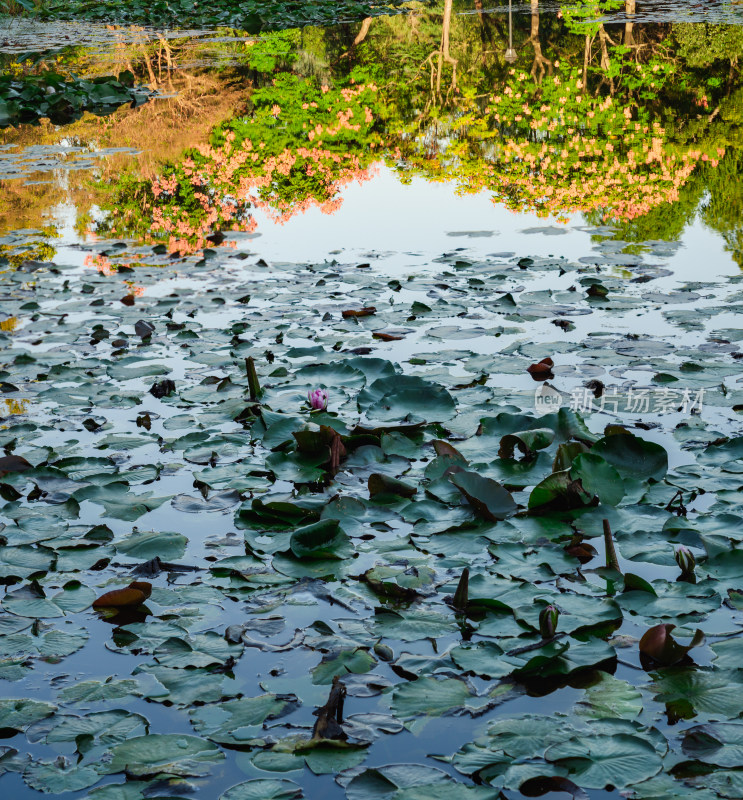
{"type": "Point", "coordinates": [318, 399]}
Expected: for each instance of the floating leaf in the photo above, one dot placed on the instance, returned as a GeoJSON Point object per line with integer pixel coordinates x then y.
{"type": "Point", "coordinates": [489, 498]}
{"type": "Point", "coordinates": [133, 595]}
{"type": "Point", "coordinates": [611, 698]}
{"type": "Point", "coordinates": [238, 722]}
{"type": "Point", "coordinates": [687, 691]}
{"type": "Point", "coordinates": [263, 789]}
{"type": "Point", "coordinates": [59, 776]}
{"type": "Point", "coordinates": [405, 399]}
{"type": "Point", "coordinates": [325, 539]}
{"type": "Point", "coordinates": [145, 545]}
{"type": "Point", "coordinates": [18, 713]}
{"type": "Point", "coordinates": [632, 456]}
{"type": "Point", "coordinates": [97, 691]}
{"type": "Point", "coordinates": [527, 442]}
{"type": "Point", "coordinates": [596, 761]}
{"type": "Point", "coordinates": [164, 754]}
{"type": "Point", "coordinates": [341, 663]}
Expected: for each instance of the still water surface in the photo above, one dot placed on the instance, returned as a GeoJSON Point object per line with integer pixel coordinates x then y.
{"type": "Point", "coordinates": [344, 160]}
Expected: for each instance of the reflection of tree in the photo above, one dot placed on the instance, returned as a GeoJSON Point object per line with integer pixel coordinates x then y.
{"type": "Point", "coordinates": [629, 25]}
{"type": "Point", "coordinates": [302, 141]}
{"type": "Point", "coordinates": [610, 121]}
{"type": "Point", "coordinates": [723, 212]}
{"type": "Point", "coordinates": [444, 53]}
{"type": "Point", "coordinates": [24, 207]}
{"type": "Point", "coordinates": [587, 137]}
{"type": "Point", "coordinates": [160, 130]}
{"type": "Point", "coordinates": [540, 62]}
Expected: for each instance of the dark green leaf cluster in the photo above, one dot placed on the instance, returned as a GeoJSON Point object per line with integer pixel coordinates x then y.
{"type": "Point", "coordinates": [29, 98]}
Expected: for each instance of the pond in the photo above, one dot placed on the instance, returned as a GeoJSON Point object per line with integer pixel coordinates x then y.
{"type": "Point", "coordinates": [370, 400]}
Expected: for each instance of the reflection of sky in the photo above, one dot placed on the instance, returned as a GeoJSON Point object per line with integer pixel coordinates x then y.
{"type": "Point", "coordinates": [385, 215]}
{"type": "Point", "coordinates": [412, 223]}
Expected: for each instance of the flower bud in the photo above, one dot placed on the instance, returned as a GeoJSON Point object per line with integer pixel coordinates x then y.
{"type": "Point", "coordinates": [318, 399]}
{"type": "Point", "coordinates": [685, 559]}
{"type": "Point", "coordinates": [548, 621]}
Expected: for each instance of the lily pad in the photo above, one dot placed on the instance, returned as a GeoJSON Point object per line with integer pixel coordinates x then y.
{"type": "Point", "coordinates": [164, 754]}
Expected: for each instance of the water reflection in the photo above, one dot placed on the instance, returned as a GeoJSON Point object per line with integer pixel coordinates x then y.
{"type": "Point", "coordinates": [618, 124]}
{"type": "Point", "coordinates": [11, 406]}
{"type": "Point", "coordinates": [624, 123]}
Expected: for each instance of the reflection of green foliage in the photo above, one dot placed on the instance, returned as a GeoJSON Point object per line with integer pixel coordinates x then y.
{"type": "Point", "coordinates": [619, 140]}
{"type": "Point", "coordinates": [20, 7]}
{"type": "Point", "coordinates": [127, 199]}
{"type": "Point", "coordinates": [624, 147]}
{"type": "Point", "coordinates": [581, 15]}
{"type": "Point", "coordinates": [666, 221]}
{"type": "Point", "coordinates": [37, 248]}
{"type": "Point", "coordinates": [272, 51]}
{"type": "Point", "coordinates": [556, 147]}
{"type": "Point", "coordinates": [724, 210]}
{"type": "Point", "coordinates": [302, 141]}
{"type": "Point", "coordinates": [248, 15]}
{"type": "Point", "coordinates": [28, 98]}
{"type": "Point", "coordinates": [702, 45]}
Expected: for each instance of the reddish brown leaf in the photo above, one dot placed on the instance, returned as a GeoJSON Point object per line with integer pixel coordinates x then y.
{"type": "Point", "coordinates": [443, 448]}
{"type": "Point", "coordinates": [581, 550]}
{"type": "Point", "coordinates": [337, 451]}
{"type": "Point", "coordinates": [13, 464]}
{"type": "Point", "coordinates": [359, 312]}
{"type": "Point", "coordinates": [542, 371]}
{"type": "Point", "coordinates": [659, 645]}
{"type": "Point", "coordinates": [134, 595]}
{"type": "Point", "coordinates": [386, 337]}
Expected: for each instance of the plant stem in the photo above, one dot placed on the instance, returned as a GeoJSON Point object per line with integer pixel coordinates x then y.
{"type": "Point", "coordinates": [253, 385]}
{"type": "Point", "coordinates": [611, 553]}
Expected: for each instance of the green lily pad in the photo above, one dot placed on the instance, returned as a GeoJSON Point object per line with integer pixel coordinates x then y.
{"type": "Point", "coordinates": [430, 697]}
{"type": "Point", "coordinates": [97, 691]}
{"type": "Point", "coordinates": [238, 722]}
{"type": "Point", "coordinates": [322, 540]}
{"type": "Point", "coordinates": [145, 545]}
{"type": "Point", "coordinates": [689, 692]}
{"type": "Point", "coordinates": [411, 625]}
{"type": "Point", "coordinates": [61, 775]}
{"type": "Point", "coordinates": [18, 714]}
{"type": "Point", "coordinates": [405, 399]}
{"type": "Point", "coordinates": [412, 782]}
{"type": "Point", "coordinates": [164, 754]}
{"type": "Point", "coordinates": [263, 789]}
{"type": "Point", "coordinates": [632, 456]}
{"type": "Point", "coordinates": [119, 501]}
{"type": "Point", "coordinates": [104, 727]}
{"type": "Point", "coordinates": [611, 698]}
{"type": "Point", "coordinates": [719, 743]}
{"type": "Point", "coordinates": [596, 761]}
{"type": "Point", "coordinates": [341, 663]}
{"type": "Point", "coordinates": [489, 499]}
{"type": "Point", "coordinates": [598, 478]}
